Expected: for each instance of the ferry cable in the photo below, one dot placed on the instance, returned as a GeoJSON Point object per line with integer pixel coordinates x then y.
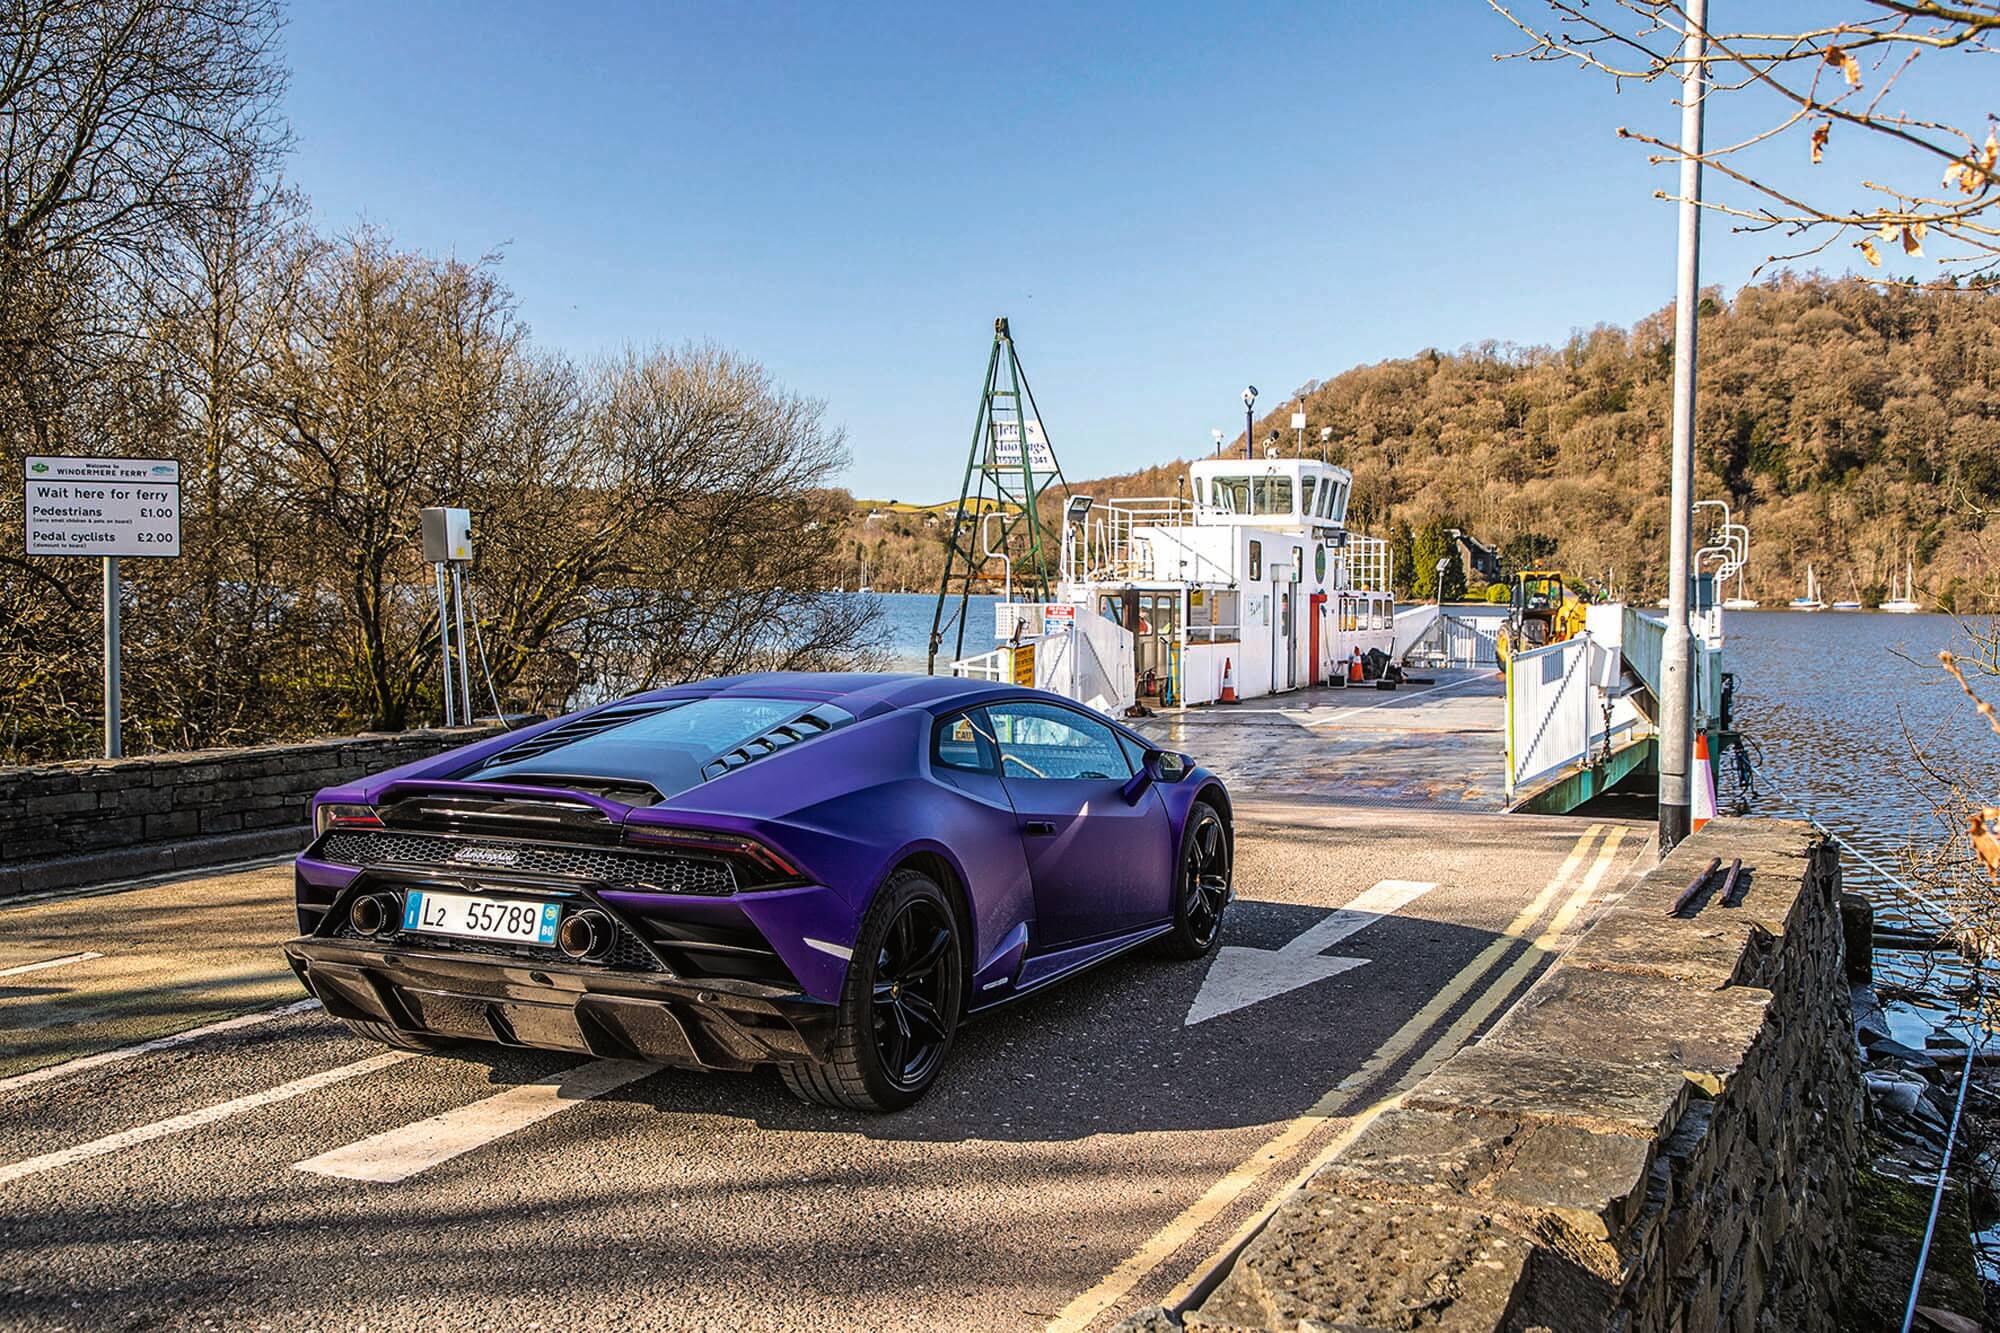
{"type": "Point", "coordinates": [1974, 1048]}
{"type": "Point", "coordinates": [1798, 808]}
{"type": "Point", "coordinates": [1972, 1052]}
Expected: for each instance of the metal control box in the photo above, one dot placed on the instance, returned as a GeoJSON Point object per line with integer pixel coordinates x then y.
{"type": "Point", "coordinates": [447, 535]}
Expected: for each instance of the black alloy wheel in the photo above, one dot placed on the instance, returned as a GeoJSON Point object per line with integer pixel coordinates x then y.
{"type": "Point", "coordinates": [915, 989]}
{"type": "Point", "coordinates": [1202, 889]}
{"type": "Point", "coordinates": [899, 1006]}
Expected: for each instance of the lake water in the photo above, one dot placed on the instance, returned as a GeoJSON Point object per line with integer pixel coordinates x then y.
{"type": "Point", "coordinates": [1833, 703]}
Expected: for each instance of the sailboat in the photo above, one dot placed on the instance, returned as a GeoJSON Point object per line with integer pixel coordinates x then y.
{"type": "Point", "coordinates": [1907, 604]}
{"type": "Point", "coordinates": [1811, 601]}
{"type": "Point", "coordinates": [1853, 603]}
{"type": "Point", "coordinates": [866, 589]}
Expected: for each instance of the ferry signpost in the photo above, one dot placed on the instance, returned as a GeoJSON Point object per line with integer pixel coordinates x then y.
{"type": "Point", "coordinates": [113, 509]}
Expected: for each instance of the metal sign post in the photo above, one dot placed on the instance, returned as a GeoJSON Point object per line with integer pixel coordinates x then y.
{"type": "Point", "coordinates": [110, 508]}
{"type": "Point", "coordinates": [114, 710]}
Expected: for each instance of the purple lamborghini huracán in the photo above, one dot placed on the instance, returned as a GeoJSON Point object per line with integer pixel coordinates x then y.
{"type": "Point", "coordinates": [825, 873]}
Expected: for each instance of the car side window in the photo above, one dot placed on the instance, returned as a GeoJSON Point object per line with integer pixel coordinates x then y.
{"type": "Point", "coordinates": [964, 741]}
{"type": "Point", "coordinates": [1046, 741]}
{"type": "Point", "coordinates": [1135, 753]}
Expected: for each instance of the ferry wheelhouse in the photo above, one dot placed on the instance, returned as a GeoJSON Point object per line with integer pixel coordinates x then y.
{"type": "Point", "coordinates": [1252, 584]}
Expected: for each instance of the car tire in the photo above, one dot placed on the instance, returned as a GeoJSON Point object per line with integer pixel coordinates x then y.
{"type": "Point", "coordinates": [395, 1037]}
{"type": "Point", "coordinates": [899, 1006]}
{"type": "Point", "coordinates": [1202, 884]}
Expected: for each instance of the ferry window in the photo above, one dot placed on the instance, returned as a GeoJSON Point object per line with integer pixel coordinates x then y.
{"type": "Point", "coordinates": [1044, 741]}
{"type": "Point", "coordinates": [1112, 607]}
{"type": "Point", "coordinates": [1298, 564]}
{"type": "Point", "coordinates": [1274, 495]}
{"type": "Point", "coordinates": [965, 743]}
{"type": "Point", "coordinates": [1326, 499]}
{"type": "Point", "coordinates": [1231, 494]}
{"type": "Point", "coordinates": [1256, 561]}
{"type": "Point", "coordinates": [1225, 610]}
{"type": "Point", "coordinates": [1306, 495]}
{"type": "Point", "coordinates": [1339, 514]}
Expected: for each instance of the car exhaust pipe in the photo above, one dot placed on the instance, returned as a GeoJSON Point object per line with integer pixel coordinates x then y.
{"type": "Point", "coordinates": [585, 936]}
{"type": "Point", "coordinates": [374, 914]}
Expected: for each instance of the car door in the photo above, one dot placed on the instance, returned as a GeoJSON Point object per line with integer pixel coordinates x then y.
{"type": "Point", "coordinates": [1100, 865]}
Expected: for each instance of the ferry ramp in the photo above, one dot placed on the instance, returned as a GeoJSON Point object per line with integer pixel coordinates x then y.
{"type": "Point", "coordinates": [1440, 745]}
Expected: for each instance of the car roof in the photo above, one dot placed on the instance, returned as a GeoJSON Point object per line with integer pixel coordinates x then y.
{"type": "Point", "coordinates": [864, 694]}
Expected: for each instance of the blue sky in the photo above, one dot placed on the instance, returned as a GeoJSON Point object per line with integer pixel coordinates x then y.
{"type": "Point", "coordinates": [1168, 200]}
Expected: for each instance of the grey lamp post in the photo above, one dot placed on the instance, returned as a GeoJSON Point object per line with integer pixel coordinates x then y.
{"type": "Point", "coordinates": [1249, 420]}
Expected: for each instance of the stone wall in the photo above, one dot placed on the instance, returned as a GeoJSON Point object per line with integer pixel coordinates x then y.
{"type": "Point", "coordinates": [97, 821]}
{"type": "Point", "coordinates": [1661, 1135]}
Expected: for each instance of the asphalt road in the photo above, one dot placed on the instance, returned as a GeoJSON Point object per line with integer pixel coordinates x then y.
{"type": "Point", "coordinates": [1087, 1153]}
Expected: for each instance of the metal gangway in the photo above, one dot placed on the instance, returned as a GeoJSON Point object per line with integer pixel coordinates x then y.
{"type": "Point", "coordinates": [1581, 714]}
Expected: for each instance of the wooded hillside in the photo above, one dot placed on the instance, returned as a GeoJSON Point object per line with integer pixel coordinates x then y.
{"type": "Point", "coordinates": [1850, 426]}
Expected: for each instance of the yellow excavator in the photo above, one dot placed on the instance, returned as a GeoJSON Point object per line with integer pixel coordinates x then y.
{"type": "Point", "coordinates": [1541, 610]}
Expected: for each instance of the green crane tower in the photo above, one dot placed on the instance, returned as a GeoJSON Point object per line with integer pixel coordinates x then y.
{"type": "Point", "coordinates": [1009, 466]}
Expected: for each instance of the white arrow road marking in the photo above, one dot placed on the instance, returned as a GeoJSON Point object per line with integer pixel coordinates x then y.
{"type": "Point", "coordinates": [207, 1115]}
{"type": "Point", "coordinates": [63, 961]}
{"type": "Point", "coordinates": [398, 1154]}
{"type": "Point", "coordinates": [1239, 977]}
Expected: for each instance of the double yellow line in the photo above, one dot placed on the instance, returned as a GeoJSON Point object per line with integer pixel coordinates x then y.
{"type": "Point", "coordinates": [1169, 1239]}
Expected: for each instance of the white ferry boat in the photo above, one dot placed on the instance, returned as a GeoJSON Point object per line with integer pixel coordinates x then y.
{"type": "Point", "coordinates": [1252, 585]}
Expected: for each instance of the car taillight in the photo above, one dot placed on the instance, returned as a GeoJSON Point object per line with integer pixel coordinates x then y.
{"type": "Point", "coordinates": [333, 815]}
{"type": "Point", "coordinates": [758, 866]}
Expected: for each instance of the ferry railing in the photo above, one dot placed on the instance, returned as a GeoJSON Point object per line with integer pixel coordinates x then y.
{"type": "Point", "coordinates": [1064, 661]}
{"type": "Point", "coordinates": [1369, 563]}
{"type": "Point", "coordinates": [997, 665]}
{"type": "Point", "coordinates": [1457, 641]}
{"type": "Point", "coordinates": [1100, 549]}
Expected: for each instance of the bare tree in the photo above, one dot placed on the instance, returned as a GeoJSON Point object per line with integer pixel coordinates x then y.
{"type": "Point", "coordinates": [1813, 89]}
{"type": "Point", "coordinates": [682, 530]}
{"type": "Point", "coordinates": [121, 125]}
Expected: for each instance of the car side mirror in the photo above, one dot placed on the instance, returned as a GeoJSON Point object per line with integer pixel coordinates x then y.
{"type": "Point", "coordinates": [1149, 773]}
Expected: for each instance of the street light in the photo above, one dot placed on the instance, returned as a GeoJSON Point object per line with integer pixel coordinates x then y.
{"type": "Point", "coordinates": [1218, 442]}
{"type": "Point", "coordinates": [1249, 421]}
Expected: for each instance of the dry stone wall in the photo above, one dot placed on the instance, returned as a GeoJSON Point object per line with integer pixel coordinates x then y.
{"type": "Point", "coordinates": [1660, 1135]}
{"type": "Point", "coordinates": [63, 825]}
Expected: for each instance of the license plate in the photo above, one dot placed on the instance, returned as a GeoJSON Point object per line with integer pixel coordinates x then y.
{"type": "Point", "coordinates": [481, 918]}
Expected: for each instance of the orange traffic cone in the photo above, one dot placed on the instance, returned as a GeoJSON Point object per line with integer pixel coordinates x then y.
{"type": "Point", "coordinates": [1228, 682]}
{"type": "Point", "coordinates": [1354, 668]}
{"type": "Point", "coordinates": [1703, 778]}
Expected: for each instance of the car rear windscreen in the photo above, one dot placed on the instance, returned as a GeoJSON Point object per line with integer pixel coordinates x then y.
{"type": "Point", "coordinates": [669, 746]}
